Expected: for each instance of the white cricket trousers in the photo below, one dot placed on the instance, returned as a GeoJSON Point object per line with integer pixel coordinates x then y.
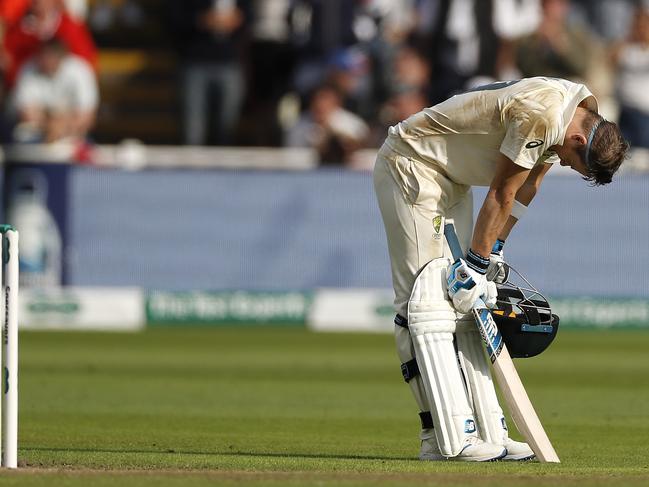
{"type": "Point", "coordinates": [409, 204]}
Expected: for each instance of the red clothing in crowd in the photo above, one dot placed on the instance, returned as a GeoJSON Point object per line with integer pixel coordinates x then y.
{"type": "Point", "coordinates": [12, 10]}
{"type": "Point", "coordinates": [21, 43]}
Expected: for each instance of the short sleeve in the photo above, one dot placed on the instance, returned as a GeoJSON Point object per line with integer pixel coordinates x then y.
{"type": "Point", "coordinates": [532, 125]}
{"type": "Point", "coordinates": [525, 142]}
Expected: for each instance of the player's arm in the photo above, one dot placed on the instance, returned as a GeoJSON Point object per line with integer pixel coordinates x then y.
{"type": "Point", "coordinates": [466, 278]}
{"type": "Point", "coordinates": [497, 206]}
{"type": "Point", "coordinates": [525, 195]}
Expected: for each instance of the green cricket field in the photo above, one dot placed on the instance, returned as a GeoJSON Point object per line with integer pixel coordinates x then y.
{"type": "Point", "coordinates": [260, 406]}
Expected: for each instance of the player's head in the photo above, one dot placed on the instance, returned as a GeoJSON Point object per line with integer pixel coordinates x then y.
{"type": "Point", "coordinates": [604, 150]}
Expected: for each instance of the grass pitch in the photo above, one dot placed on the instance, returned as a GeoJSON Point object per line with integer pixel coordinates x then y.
{"type": "Point", "coordinates": [286, 407]}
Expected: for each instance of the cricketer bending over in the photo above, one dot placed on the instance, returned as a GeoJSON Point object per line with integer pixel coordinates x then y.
{"type": "Point", "coordinates": [505, 136]}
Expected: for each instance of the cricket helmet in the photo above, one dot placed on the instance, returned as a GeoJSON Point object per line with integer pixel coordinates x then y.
{"type": "Point", "coordinates": [524, 317]}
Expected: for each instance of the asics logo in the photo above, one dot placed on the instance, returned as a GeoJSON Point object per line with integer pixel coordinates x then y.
{"type": "Point", "coordinates": [533, 144]}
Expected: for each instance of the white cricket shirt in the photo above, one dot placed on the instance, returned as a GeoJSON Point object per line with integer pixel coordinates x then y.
{"type": "Point", "coordinates": [464, 135]}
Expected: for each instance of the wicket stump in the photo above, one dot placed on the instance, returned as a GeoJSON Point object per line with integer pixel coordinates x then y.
{"type": "Point", "coordinates": [9, 348]}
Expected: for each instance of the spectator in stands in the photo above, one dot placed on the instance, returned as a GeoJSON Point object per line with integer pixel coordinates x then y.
{"type": "Point", "coordinates": [349, 72]}
{"type": "Point", "coordinates": [408, 84]}
{"type": "Point", "coordinates": [609, 19]}
{"type": "Point", "coordinates": [631, 59]}
{"type": "Point", "coordinates": [557, 47]}
{"type": "Point", "coordinates": [381, 28]}
{"type": "Point", "coordinates": [405, 101]}
{"type": "Point", "coordinates": [210, 37]}
{"type": "Point", "coordinates": [565, 48]}
{"type": "Point", "coordinates": [459, 42]}
{"type": "Point", "coordinates": [45, 20]}
{"type": "Point", "coordinates": [319, 29]}
{"type": "Point", "coordinates": [330, 129]}
{"type": "Point", "coordinates": [10, 12]}
{"type": "Point", "coordinates": [349, 43]}
{"type": "Point", "coordinates": [270, 68]}
{"type": "Point", "coordinates": [512, 20]}
{"type": "Point", "coordinates": [55, 96]}
{"type": "Point", "coordinates": [410, 71]}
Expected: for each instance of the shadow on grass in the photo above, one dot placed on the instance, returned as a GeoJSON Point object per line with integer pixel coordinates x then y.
{"type": "Point", "coordinates": [232, 453]}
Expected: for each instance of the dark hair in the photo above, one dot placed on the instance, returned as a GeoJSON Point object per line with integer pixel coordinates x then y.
{"type": "Point", "coordinates": [606, 151]}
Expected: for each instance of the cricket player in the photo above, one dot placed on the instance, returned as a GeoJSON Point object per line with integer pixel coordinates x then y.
{"type": "Point", "coordinates": [505, 136]}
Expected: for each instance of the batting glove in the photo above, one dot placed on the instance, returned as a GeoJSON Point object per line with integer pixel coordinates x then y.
{"type": "Point", "coordinates": [498, 270]}
{"type": "Point", "coordinates": [467, 283]}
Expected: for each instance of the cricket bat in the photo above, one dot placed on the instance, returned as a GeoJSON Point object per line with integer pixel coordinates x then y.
{"type": "Point", "coordinates": [518, 403]}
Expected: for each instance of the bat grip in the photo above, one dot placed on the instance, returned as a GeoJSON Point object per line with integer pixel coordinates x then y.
{"type": "Point", "coordinates": [453, 242]}
{"type": "Point", "coordinates": [456, 252]}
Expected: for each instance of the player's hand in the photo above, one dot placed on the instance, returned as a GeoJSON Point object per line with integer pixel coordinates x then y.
{"type": "Point", "coordinates": [498, 270]}
{"type": "Point", "coordinates": [466, 285]}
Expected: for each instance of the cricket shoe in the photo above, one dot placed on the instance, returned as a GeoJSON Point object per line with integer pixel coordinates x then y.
{"type": "Point", "coordinates": [518, 451]}
{"type": "Point", "coordinates": [475, 450]}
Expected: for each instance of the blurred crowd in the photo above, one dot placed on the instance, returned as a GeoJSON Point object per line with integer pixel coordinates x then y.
{"type": "Point", "coordinates": [49, 62]}
{"type": "Point", "coordinates": [328, 74]}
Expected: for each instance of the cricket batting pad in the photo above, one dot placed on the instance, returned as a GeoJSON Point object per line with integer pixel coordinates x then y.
{"type": "Point", "coordinates": [431, 320]}
{"type": "Point", "coordinates": [482, 393]}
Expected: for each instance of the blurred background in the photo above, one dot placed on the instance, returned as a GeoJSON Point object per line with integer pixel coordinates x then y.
{"type": "Point", "coordinates": [209, 161]}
